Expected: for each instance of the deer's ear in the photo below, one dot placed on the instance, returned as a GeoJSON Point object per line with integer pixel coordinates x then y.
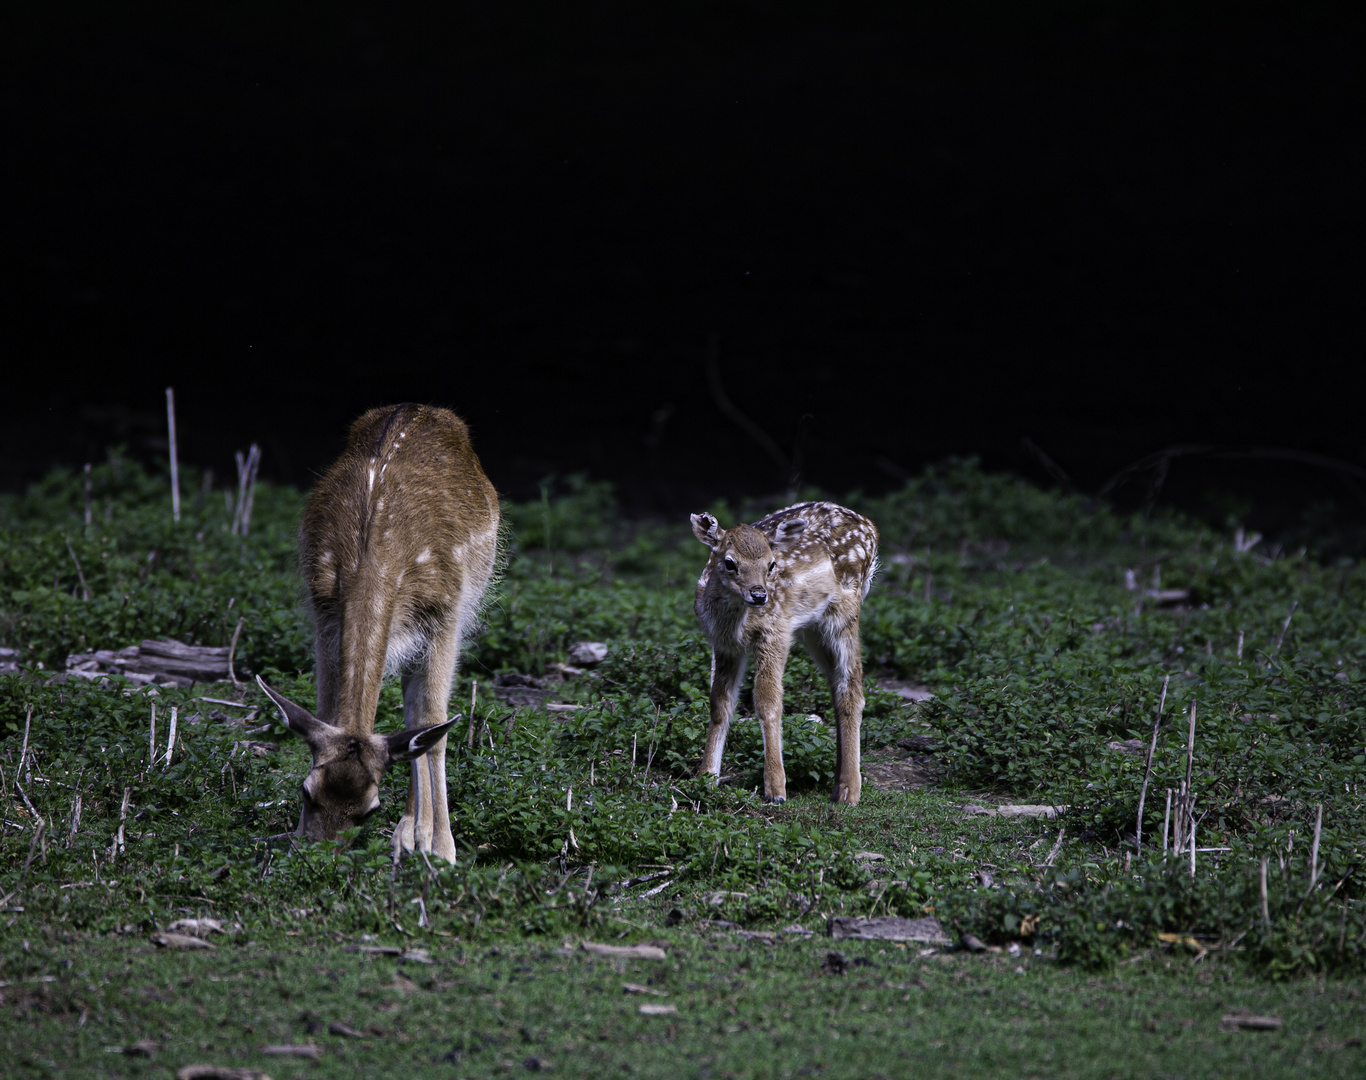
{"type": "Point", "coordinates": [787, 531]}
{"type": "Point", "coordinates": [298, 719]}
{"type": "Point", "coordinates": [707, 529]}
{"type": "Point", "coordinates": [413, 743]}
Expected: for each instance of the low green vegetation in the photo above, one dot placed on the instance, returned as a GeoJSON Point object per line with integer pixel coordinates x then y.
{"type": "Point", "coordinates": [1045, 628]}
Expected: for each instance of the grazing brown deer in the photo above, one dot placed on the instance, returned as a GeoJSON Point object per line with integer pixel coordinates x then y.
{"type": "Point", "coordinates": [802, 572]}
{"type": "Point", "coordinates": [398, 544]}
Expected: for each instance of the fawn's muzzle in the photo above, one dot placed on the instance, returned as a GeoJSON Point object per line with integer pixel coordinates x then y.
{"type": "Point", "coordinates": [757, 596]}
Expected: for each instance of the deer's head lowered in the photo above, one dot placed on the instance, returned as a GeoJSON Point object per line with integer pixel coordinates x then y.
{"type": "Point", "coordinates": [342, 788]}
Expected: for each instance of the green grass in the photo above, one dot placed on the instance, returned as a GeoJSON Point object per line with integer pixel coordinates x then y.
{"type": "Point", "coordinates": [745, 1009]}
{"type": "Point", "coordinates": [1008, 601]}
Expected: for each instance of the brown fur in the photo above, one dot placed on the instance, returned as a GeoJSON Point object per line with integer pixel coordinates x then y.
{"type": "Point", "coordinates": [800, 572]}
{"type": "Point", "coordinates": [397, 546]}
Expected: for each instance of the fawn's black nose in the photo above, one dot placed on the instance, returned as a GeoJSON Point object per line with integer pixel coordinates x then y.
{"type": "Point", "coordinates": [757, 596]}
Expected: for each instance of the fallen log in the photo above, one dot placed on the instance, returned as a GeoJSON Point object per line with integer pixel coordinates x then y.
{"type": "Point", "coordinates": [169, 663]}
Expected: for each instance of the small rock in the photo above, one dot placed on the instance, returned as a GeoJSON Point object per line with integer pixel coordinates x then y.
{"type": "Point", "coordinates": [637, 952]}
{"type": "Point", "coordinates": [179, 941]}
{"type": "Point", "coordinates": [1128, 746]}
{"type": "Point", "coordinates": [973, 943]}
{"type": "Point", "coordinates": [345, 1030]}
{"type": "Point", "coordinates": [868, 856]}
{"type": "Point", "coordinates": [1242, 1022]}
{"type": "Point", "coordinates": [887, 928]}
{"type": "Point", "coordinates": [196, 927]}
{"type": "Point", "coordinates": [658, 1010]}
{"type": "Point", "coordinates": [587, 653]}
{"type": "Point", "coordinates": [299, 1050]}
{"type": "Point", "coordinates": [636, 988]}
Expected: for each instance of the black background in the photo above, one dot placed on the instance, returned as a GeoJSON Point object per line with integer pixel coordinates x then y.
{"type": "Point", "coordinates": [905, 231]}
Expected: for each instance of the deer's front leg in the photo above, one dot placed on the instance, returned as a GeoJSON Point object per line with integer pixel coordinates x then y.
{"type": "Point", "coordinates": [426, 823]}
{"type": "Point", "coordinates": [768, 703]}
{"type": "Point", "coordinates": [727, 671]}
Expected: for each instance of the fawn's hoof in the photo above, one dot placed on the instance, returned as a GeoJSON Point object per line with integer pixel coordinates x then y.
{"type": "Point", "coordinates": [843, 793]}
{"type": "Point", "coordinates": [775, 799]}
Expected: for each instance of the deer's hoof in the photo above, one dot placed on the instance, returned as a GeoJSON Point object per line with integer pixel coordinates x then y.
{"type": "Point", "coordinates": [775, 799]}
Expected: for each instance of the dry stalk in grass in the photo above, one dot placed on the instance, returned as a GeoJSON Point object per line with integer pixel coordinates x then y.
{"type": "Point", "coordinates": [232, 651]}
{"type": "Point", "coordinates": [80, 574]}
{"type": "Point", "coordinates": [1148, 768]}
{"type": "Point", "coordinates": [1314, 851]}
{"type": "Point", "coordinates": [170, 740]}
{"type": "Point", "coordinates": [175, 465]}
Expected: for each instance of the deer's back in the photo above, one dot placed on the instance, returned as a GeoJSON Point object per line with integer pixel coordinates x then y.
{"type": "Point", "coordinates": [830, 535]}
{"type": "Point", "coordinates": [405, 507]}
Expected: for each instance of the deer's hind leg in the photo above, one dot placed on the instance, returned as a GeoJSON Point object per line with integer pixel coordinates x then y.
{"type": "Point", "coordinates": [426, 823]}
{"type": "Point", "coordinates": [834, 645]}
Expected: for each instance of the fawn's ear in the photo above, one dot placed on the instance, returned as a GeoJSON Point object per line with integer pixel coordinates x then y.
{"type": "Point", "coordinates": [707, 529]}
{"type": "Point", "coordinates": [414, 742]}
{"type": "Point", "coordinates": [298, 719]}
{"type": "Point", "coordinates": [788, 530]}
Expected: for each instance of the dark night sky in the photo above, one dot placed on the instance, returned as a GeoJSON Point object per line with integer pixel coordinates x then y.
{"type": "Point", "coordinates": [914, 230]}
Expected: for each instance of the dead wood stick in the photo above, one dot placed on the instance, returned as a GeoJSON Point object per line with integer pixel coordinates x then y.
{"type": "Point", "coordinates": [469, 735]}
{"type": "Point", "coordinates": [1314, 850]}
{"type": "Point", "coordinates": [1190, 751]}
{"type": "Point", "coordinates": [1266, 915]}
{"type": "Point", "coordinates": [170, 740]}
{"type": "Point", "coordinates": [117, 846]}
{"type": "Point", "coordinates": [75, 818]}
{"type": "Point", "coordinates": [241, 462]}
{"type": "Point", "coordinates": [1240, 644]}
{"type": "Point", "coordinates": [650, 755]}
{"type": "Point", "coordinates": [232, 651]}
{"type": "Point", "coordinates": [1280, 638]}
{"type": "Point", "coordinates": [24, 795]}
{"type": "Point", "coordinates": [152, 738]}
{"type": "Point", "coordinates": [85, 589]}
{"type": "Point", "coordinates": [87, 493]}
{"type": "Point", "coordinates": [175, 465]}
{"type": "Point", "coordinates": [253, 466]}
{"type": "Point", "coordinates": [23, 753]}
{"type": "Point", "coordinates": [1057, 846]}
{"type": "Point", "coordinates": [1166, 821]}
{"type": "Point", "coordinates": [1192, 817]}
{"type": "Point", "coordinates": [1148, 768]}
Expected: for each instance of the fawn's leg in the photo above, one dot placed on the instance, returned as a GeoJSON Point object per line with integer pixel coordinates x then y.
{"type": "Point", "coordinates": [727, 671]}
{"type": "Point", "coordinates": [768, 703]}
{"type": "Point", "coordinates": [834, 646]}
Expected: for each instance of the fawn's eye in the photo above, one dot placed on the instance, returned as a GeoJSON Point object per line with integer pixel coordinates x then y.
{"type": "Point", "coordinates": [772, 565]}
{"type": "Point", "coordinates": [730, 564]}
